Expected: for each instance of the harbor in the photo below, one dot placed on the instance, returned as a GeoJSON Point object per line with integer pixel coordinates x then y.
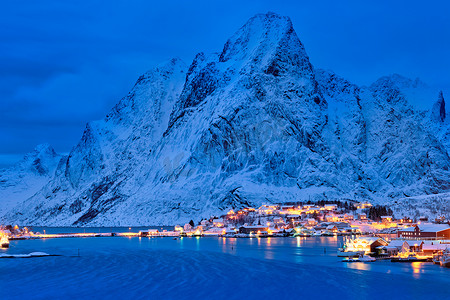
{"type": "Point", "coordinates": [365, 237]}
{"type": "Point", "coordinates": [193, 265]}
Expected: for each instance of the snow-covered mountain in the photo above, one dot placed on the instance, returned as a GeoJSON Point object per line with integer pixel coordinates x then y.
{"type": "Point", "coordinates": [252, 124]}
{"type": "Point", "coordinates": [28, 176]}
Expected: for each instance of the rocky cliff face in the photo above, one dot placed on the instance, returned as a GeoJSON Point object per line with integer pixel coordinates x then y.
{"type": "Point", "coordinates": [255, 123]}
{"type": "Point", "coordinates": [438, 111]}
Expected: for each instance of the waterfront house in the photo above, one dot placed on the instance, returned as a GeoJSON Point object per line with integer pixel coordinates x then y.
{"type": "Point", "coordinates": [432, 247]}
{"type": "Point", "coordinates": [425, 231]}
{"type": "Point", "coordinates": [218, 223]}
{"type": "Point", "coordinates": [387, 251]}
{"type": "Point", "coordinates": [332, 228]}
{"type": "Point", "coordinates": [150, 232]}
{"type": "Point", "coordinates": [401, 245]}
{"type": "Point", "coordinates": [187, 227]}
{"type": "Point", "coordinates": [366, 244]}
{"type": "Point", "coordinates": [252, 229]}
{"type": "Point", "coordinates": [415, 246]}
{"type": "Point", "coordinates": [229, 231]}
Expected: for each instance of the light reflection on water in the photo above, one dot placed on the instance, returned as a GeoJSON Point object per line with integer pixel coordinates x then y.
{"type": "Point", "coordinates": [162, 266]}
{"type": "Point", "coordinates": [418, 268]}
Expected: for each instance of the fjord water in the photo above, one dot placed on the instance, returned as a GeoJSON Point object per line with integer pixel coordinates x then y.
{"type": "Point", "coordinates": [195, 268]}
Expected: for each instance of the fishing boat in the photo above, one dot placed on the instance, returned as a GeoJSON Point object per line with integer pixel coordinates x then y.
{"type": "Point", "coordinates": [361, 258]}
{"type": "Point", "coordinates": [302, 232]}
{"type": "Point", "coordinates": [437, 258]}
{"type": "Point", "coordinates": [445, 258]}
{"type": "Point", "coordinates": [409, 258]}
{"type": "Point", "coordinates": [4, 241]}
{"type": "Point", "coordinates": [342, 253]}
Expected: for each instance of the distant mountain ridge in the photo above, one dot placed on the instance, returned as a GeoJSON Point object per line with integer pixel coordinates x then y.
{"type": "Point", "coordinates": [27, 177]}
{"type": "Point", "coordinates": [253, 124]}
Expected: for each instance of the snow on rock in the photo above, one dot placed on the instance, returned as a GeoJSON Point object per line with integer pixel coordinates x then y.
{"type": "Point", "coordinates": [438, 110]}
{"type": "Point", "coordinates": [253, 124]}
{"type": "Point", "coordinates": [27, 177]}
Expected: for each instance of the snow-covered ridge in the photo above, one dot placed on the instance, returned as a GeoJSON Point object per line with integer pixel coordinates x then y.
{"type": "Point", "coordinates": [254, 123]}
{"type": "Point", "coordinates": [27, 177]}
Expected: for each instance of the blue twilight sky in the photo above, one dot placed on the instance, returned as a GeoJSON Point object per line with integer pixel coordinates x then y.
{"type": "Point", "coordinates": [64, 63]}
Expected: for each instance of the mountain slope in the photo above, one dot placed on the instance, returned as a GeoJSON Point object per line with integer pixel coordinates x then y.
{"type": "Point", "coordinates": [252, 124]}
{"type": "Point", "coordinates": [27, 177]}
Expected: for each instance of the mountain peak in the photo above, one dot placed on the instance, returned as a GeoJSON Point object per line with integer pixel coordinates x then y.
{"type": "Point", "coordinates": [42, 159]}
{"type": "Point", "coordinates": [265, 50]}
{"type": "Point", "coordinates": [269, 40]}
{"type": "Point", "coordinates": [44, 148]}
{"type": "Point", "coordinates": [262, 30]}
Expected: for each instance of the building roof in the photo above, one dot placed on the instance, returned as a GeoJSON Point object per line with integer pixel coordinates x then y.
{"type": "Point", "coordinates": [387, 247]}
{"type": "Point", "coordinates": [254, 226]}
{"type": "Point", "coordinates": [371, 239]}
{"type": "Point", "coordinates": [428, 227]}
{"type": "Point", "coordinates": [436, 246]}
{"type": "Point", "coordinates": [397, 243]}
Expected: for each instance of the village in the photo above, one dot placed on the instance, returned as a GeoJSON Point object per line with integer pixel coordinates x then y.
{"type": "Point", "coordinates": [370, 232]}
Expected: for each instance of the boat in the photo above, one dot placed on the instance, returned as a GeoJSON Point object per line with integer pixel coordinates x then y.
{"type": "Point", "coordinates": [409, 258]}
{"type": "Point", "coordinates": [361, 258]}
{"type": "Point", "coordinates": [197, 233]}
{"type": "Point", "coordinates": [445, 258]}
{"type": "Point", "coordinates": [437, 259]}
{"type": "Point", "coordinates": [343, 253]}
{"type": "Point", "coordinates": [302, 233]}
{"type": "Point", "coordinates": [4, 241]}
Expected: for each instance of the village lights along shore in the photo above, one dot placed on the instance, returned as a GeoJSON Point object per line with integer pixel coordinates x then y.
{"type": "Point", "coordinates": [369, 236]}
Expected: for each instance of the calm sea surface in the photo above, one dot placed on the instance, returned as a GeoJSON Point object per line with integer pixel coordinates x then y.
{"type": "Point", "coordinates": [199, 268]}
